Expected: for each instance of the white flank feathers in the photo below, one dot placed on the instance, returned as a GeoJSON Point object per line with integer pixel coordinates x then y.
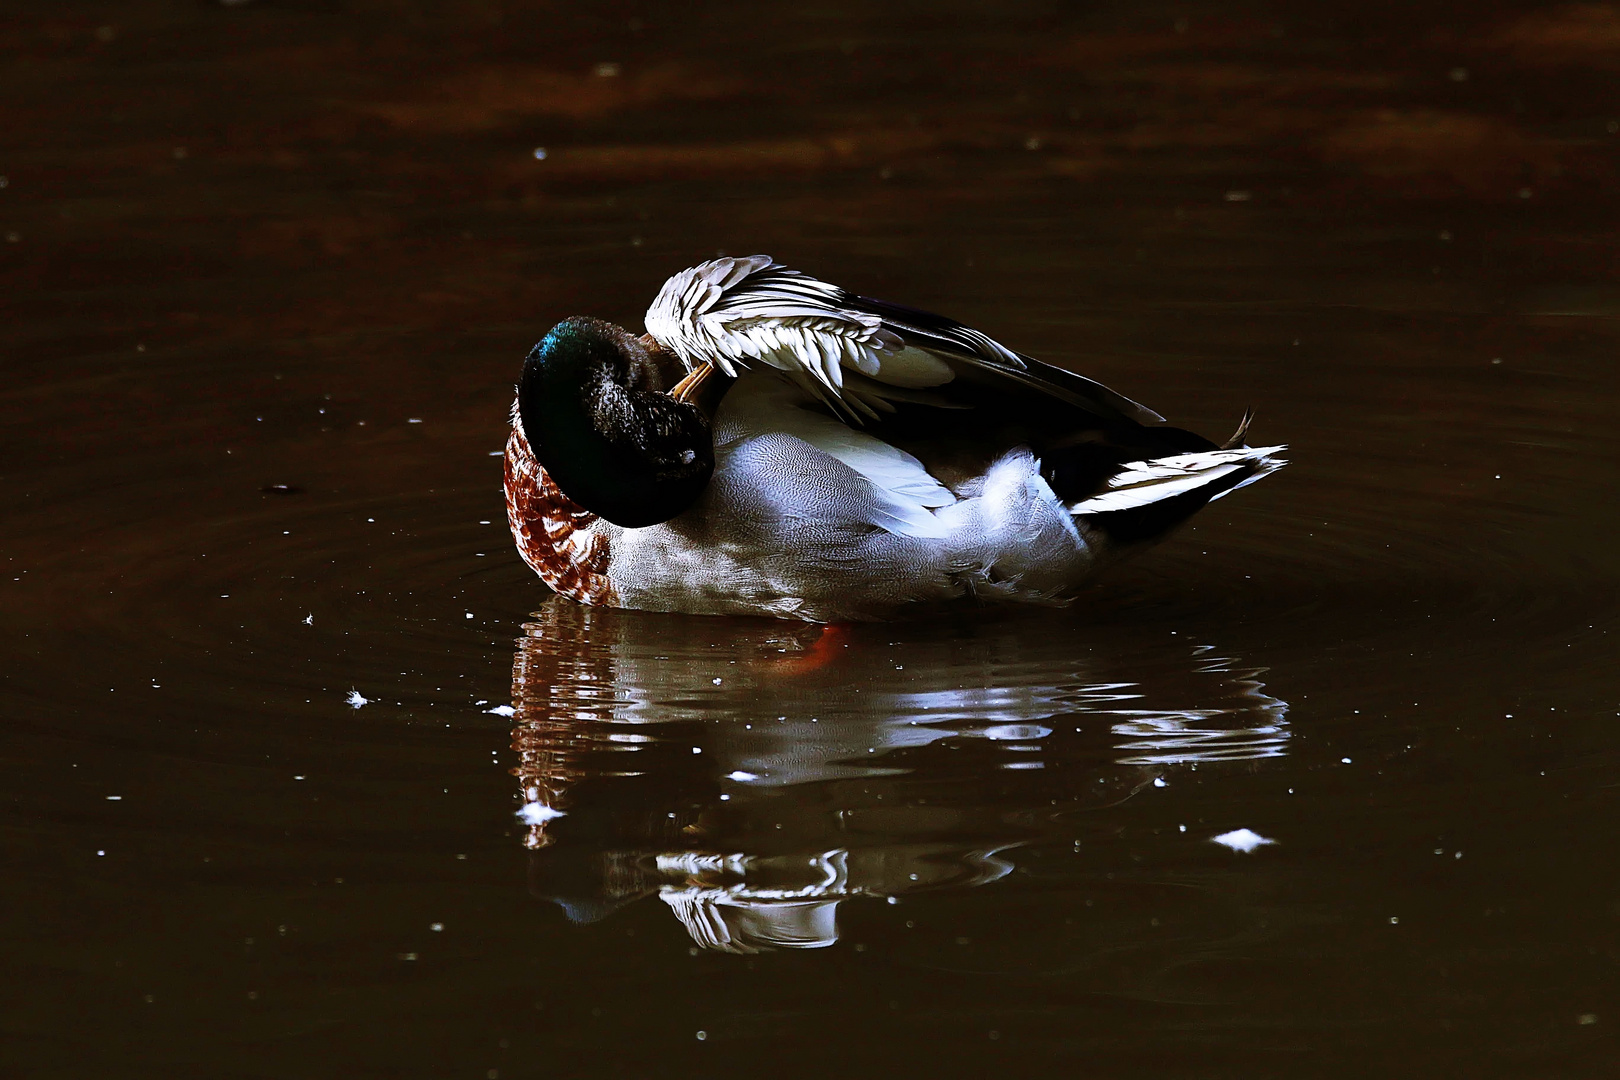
{"type": "Point", "coordinates": [904, 495]}
{"type": "Point", "coordinates": [769, 404]}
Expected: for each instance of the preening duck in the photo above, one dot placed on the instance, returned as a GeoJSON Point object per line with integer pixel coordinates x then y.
{"type": "Point", "coordinates": [775, 445]}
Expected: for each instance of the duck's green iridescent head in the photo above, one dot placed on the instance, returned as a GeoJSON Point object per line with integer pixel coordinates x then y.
{"type": "Point", "coordinates": [590, 407]}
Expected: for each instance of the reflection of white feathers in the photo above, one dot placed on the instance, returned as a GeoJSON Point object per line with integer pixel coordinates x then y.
{"type": "Point", "coordinates": [799, 911]}
{"type": "Point", "coordinates": [729, 924]}
{"type": "Point", "coordinates": [1180, 710]}
{"type": "Point", "coordinates": [608, 695]}
{"type": "Point", "coordinates": [748, 903]}
{"type": "Point", "coordinates": [537, 813]}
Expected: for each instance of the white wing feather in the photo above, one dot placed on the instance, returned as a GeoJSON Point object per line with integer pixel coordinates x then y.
{"type": "Point", "coordinates": [799, 327]}
{"type": "Point", "coordinates": [733, 312]}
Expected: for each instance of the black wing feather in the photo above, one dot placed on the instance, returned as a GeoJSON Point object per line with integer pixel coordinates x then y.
{"type": "Point", "coordinates": [926, 330]}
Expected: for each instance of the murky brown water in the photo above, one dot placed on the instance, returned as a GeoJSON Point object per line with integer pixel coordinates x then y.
{"type": "Point", "coordinates": [307, 244]}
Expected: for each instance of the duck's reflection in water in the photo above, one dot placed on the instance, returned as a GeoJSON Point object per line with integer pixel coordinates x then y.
{"type": "Point", "coordinates": [754, 775]}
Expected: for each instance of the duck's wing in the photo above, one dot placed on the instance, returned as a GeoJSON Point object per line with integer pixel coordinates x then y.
{"type": "Point", "coordinates": [732, 312]}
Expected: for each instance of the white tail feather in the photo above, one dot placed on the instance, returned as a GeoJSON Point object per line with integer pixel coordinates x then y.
{"type": "Point", "coordinates": [1141, 483]}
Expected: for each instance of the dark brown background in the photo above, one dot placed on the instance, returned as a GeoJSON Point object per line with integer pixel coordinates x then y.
{"type": "Point", "coordinates": [247, 244]}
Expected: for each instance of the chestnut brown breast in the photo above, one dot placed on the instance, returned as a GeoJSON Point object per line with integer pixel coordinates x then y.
{"type": "Point", "coordinates": [544, 521]}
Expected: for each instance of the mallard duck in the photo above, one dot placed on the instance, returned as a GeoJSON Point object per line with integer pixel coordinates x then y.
{"type": "Point", "coordinates": [775, 445]}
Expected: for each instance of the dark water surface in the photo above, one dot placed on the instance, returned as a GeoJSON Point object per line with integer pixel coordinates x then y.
{"type": "Point", "coordinates": [269, 271]}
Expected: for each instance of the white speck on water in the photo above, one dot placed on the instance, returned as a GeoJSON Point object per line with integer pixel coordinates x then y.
{"type": "Point", "coordinates": [413, 420]}
{"type": "Point", "coordinates": [501, 710]}
{"type": "Point", "coordinates": [372, 521]}
{"type": "Point", "coordinates": [356, 699]}
{"type": "Point", "coordinates": [298, 778]}
{"type": "Point", "coordinates": [1158, 781]}
{"type": "Point", "coordinates": [101, 853]}
{"type": "Point", "coordinates": [538, 813]}
{"type": "Point", "coordinates": [1181, 828]}
{"type": "Point", "coordinates": [607, 69]}
{"type": "Point", "coordinates": [309, 620]}
{"type": "Point", "coordinates": [1393, 920]}
{"type": "Point", "coordinates": [1586, 1018]}
{"type": "Point", "coordinates": [469, 615]}
{"type": "Point", "coordinates": [483, 523]}
{"type": "Point", "coordinates": [1458, 855]}
{"type": "Point", "coordinates": [497, 453]}
{"type": "Point", "coordinates": [725, 798]}
{"type": "Point", "coordinates": [702, 1035]}
{"type": "Point", "coordinates": [740, 775]}
{"type": "Point", "coordinates": [1344, 761]}
{"type": "Point", "coordinates": [1239, 196]}
{"type": "Point", "coordinates": [697, 749]}
{"type": "Point", "coordinates": [437, 928]}
{"type": "Point", "coordinates": [1244, 840]}
{"type": "Point", "coordinates": [716, 682]}
{"type": "Point", "coordinates": [115, 798]}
